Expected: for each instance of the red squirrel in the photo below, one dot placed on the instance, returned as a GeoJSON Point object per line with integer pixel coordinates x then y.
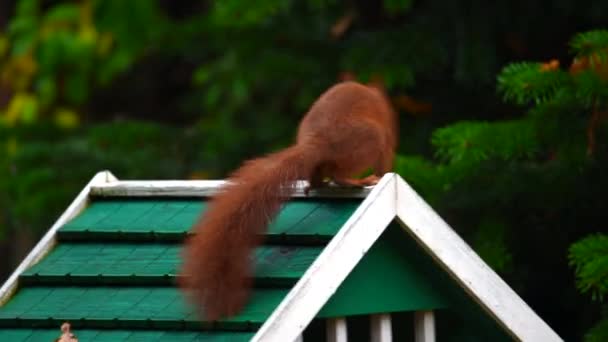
{"type": "Point", "coordinates": [348, 130]}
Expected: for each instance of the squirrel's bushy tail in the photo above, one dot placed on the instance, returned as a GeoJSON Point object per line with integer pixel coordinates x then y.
{"type": "Point", "coordinates": [217, 259]}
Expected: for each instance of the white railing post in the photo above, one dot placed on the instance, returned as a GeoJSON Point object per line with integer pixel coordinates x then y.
{"type": "Point", "coordinates": [336, 330]}
{"type": "Point", "coordinates": [381, 328]}
{"type": "Point", "coordinates": [424, 326]}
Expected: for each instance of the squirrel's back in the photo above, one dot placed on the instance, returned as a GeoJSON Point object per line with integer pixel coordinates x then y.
{"type": "Point", "coordinates": [354, 123]}
{"type": "Point", "coordinates": [349, 129]}
{"type": "Point", "coordinates": [345, 103]}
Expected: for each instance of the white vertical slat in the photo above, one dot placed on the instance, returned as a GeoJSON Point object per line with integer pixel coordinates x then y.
{"type": "Point", "coordinates": [424, 326]}
{"type": "Point", "coordinates": [336, 330]}
{"type": "Point", "coordinates": [381, 328]}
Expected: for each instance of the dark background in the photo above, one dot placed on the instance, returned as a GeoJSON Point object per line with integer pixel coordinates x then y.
{"type": "Point", "coordinates": [189, 89]}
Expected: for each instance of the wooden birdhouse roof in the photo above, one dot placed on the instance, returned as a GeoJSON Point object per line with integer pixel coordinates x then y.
{"type": "Point", "coordinates": [108, 266]}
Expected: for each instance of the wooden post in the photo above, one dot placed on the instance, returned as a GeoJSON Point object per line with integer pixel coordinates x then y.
{"type": "Point", "coordinates": [381, 329]}
{"type": "Point", "coordinates": [424, 326]}
{"type": "Point", "coordinates": [336, 330]}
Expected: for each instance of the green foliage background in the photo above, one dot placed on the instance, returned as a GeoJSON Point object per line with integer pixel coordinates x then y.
{"type": "Point", "coordinates": [509, 147]}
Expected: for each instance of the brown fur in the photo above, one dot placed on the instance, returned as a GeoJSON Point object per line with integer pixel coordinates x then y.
{"type": "Point", "coordinates": [348, 130]}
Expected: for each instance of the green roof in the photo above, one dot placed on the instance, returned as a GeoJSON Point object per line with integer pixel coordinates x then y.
{"type": "Point", "coordinates": [112, 271]}
{"type": "Point", "coordinates": [115, 268]}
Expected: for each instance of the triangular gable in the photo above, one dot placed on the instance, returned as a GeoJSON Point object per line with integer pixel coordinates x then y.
{"type": "Point", "coordinates": [398, 279]}
{"type": "Point", "coordinates": [395, 275]}
{"type": "Point", "coordinates": [392, 198]}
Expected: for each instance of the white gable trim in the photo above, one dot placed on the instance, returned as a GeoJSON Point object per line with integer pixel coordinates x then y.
{"type": "Point", "coordinates": [467, 268]}
{"type": "Point", "coordinates": [394, 198]}
{"type": "Point", "coordinates": [332, 266]}
{"type": "Point", "coordinates": [49, 240]}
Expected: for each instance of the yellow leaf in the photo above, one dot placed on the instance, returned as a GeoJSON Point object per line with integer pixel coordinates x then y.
{"type": "Point", "coordinates": [29, 112]}
{"type": "Point", "coordinates": [88, 34]}
{"type": "Point", "coordinates": [11, 146]}
{"type": "Point", "coordinates": [3, 45]}
{"type": "Point", "coordinates": [15, 106]}
{"type": "Point", "coordinates": [22, 107]}
{"type": "Point", "coordinates": [66, 118]}
{"type": "Point", "coordinates": [104, 44]}
{"type": "Point", "coordinates": [46, 31]}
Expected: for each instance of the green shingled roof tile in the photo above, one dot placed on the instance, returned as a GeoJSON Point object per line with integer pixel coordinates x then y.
{"type": "Point", "coordinates": [142, 216]}
{"type": "Point", "coordinates": [133, 303]}
{"type": "Point", "coordinates": [317, 218]}
{"type": "Point", "coordinates": [130, 259]}
{"type": "Point", "coordinates": [115, 265]}
{"type": "Point", "coordinates": [137, 215]}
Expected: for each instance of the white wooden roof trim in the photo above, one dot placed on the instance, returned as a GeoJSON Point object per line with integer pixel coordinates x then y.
{"type": "Point", "coordinates": [394, 198]}
{"type": "Point", "coordinates": [468, 269]}
{"type": "Point", "coordinates": [206, 188]}
{"type": "Point", "coordinates": [48, 241]}
{"type": "Point", "coordinates": [332, 266]}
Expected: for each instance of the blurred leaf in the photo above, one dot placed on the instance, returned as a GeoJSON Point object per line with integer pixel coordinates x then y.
{"type": "Point", "coordinates": [75, 88]}
{"type": "Point", "coordinates": [104, 44]}
{"type": "Point", "coordinates": [88, 35]}
{"type": "Point", "coordinates": [26, 65]}
{"type": "Point", "coordinates": [22, 107]}
{"type": "Point", "coordinates": [202, 75]}
{"type": "Point", "coordinates": [599, 333]}
{"type": "Point", "coordinates": [589, 256]}
{"type": "Point", "coordinates": [49, 53]}
{"type": "Point", "coordinates": [27, 8]}
{"type": "Point", "coordinates": [23, 43]}
{"type": "Point", "coordinates": [490, 243]}
{"type": "Point", "coordinates": [114, 64]}
{"type": "Point", "coordinates": [590, 89]}
{"type": "Point", "coordinates": [4, 44]}
{"type": "Point", "coordinates": [526, 82]}
{"type": "Point", "coordinates": [46, 90]}
{"type": "Point", "coordinates": [590, 43]}
{"type": "Point", "coordinates": [242, 14]}
{"type": "Point", "coordinates": [22, 25]}
{"type": "Point", "coordinates": [29, 111]}
{"type": "Point", "coordinates": [473, 142]}
{"type": "Point", "coordinates": [66, 118]}
{"type": "Point", "coordinates": [396, 6]}
{"type": "Point", "coordinates": [11, 146]}
{"type": "Point", "coordinates": [66, 13]}
{"type": "Point", "coordinates": [77, 52]}
{"type": "Point", "coordinates": [422, 174]}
